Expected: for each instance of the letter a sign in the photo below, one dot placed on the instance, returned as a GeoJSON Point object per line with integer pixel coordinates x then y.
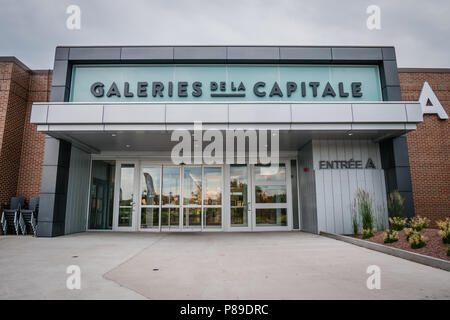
{"type": "Point", "coordinates": [430, 103]}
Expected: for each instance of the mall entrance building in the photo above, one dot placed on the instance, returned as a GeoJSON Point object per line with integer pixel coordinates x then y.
{"type": "Point", "coordinates": [335, 114]}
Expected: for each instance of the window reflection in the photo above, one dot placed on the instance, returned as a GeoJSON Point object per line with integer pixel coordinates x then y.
{"type": "Point", "coordinates": [192, 192]}
{"type": "Point", "coordinates": [171, 186]}
{"type": "Point", "coordinates": [150, 186]}
{"type": "Point", "coordinates": [238, 195]}
{"type": "Point", "coordinates": [126, 195]}
{"type": "Point", "coordinates": [213, 217]}
{"type": "Point", "coordinates": [192, 217]}
{"type": "Point", "coordinates": [213, 186]}
{"type": "Point", "coordinates": [149, 217]}
{"type": "Point", "coordinates": [101, 202]}
{"type": "Point", "coordinates": [270, 194]}
{"type": "Point", "coordinates": [170, 217]}
{"type": "Point", "coordinates": [268, 173]}
{"type": "Point", "coordinates": [271, 217]}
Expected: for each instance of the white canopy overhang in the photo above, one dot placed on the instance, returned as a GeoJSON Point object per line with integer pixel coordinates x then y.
{"type": "Point", "coordinates": [148, 126]}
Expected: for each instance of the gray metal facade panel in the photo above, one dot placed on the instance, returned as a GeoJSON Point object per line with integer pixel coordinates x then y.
{"type": "Point", "coordinates": [200, 54]}
{"type": "Point", "coordinates": [60, 72]}
{"type": "Point", "coordinates": [392, 93]}
{"type": "Point", "coordinates": [62, 53]}
{"type": "Point", "coordinates": [147, 53]}
{"type": "Point", "coordinates": [388, 53]}
{"type": "Point", "coordinates": [59, 94]}
{"type": "Point", "coordinates": [400, 149]}
{"type": "Point", "coordinates": [52, 204]}
{"type": "Point", "coordinates": [304, 54]}
{"type": "Point", "coordinates": [390, 74]}
{"type": "Point", "coordinates": [357, 53]}
{"type": "Point", "coordinates": [253, 54]}
{"type": "Point", "coordinates": [95, 53]}
{"type": "Point", "coordinates": [78, 183]}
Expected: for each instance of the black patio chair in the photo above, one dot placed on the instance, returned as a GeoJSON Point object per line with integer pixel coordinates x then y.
{"type": "Point", "coordinates": [28, 217]}
{"type": "Point", "coordinates": [11, 216]}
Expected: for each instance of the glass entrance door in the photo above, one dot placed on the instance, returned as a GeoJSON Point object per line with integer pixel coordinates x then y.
{"type": "Point", "coordinates": [270, 194]}
{"type": "Point", "coordinates": [156, 197]}
{"type": "Point", "coordinates": [126, 197]}
{"type": "Point", "coordinates": [240, 197]}
{"type": "Point", "coordinates": [202, 198]}
{"type": "Point", "coordinates": [160, 197]}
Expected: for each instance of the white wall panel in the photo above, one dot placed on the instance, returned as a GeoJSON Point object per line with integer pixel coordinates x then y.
{"type": "Point", "coordinates": [337, 188]}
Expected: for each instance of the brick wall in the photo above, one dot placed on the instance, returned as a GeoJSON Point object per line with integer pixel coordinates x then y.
{"type": "Point", "coordinates": [21, 146]}
{"type": "Point", "coordinates": [32, 155]}
{"type": "Point", "coordinates": [13, 108]}
{"type": "Point", "coordinates": [429, 147]}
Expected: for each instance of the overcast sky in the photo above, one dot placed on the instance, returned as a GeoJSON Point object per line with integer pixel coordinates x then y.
{"type": "Point", "coordinates": [420, 30]}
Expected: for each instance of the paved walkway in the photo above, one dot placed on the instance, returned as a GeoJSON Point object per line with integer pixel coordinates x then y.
{"type": "Point", "coordinates": [270, 265]}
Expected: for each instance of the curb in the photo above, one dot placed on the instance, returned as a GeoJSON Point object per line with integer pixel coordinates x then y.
{"type": "Point", "coordinates": [411, 256]}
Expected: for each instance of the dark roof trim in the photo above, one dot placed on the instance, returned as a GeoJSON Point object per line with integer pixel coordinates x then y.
{"type": "Point", "coordinates": [424, 70]}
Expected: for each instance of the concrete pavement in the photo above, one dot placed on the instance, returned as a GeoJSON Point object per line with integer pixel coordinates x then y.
{"type": "Point", "coordinates": [266, 265]}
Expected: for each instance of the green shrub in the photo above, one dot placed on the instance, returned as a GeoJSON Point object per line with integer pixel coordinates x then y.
{"type": "Point", "coordinates": [367, 233]}
{"type": "Point", "coordinates": [444, 230]}
{"type": "Point", "coordinates": [397, 223]}
{"type": "Point", "coordinates": [448, 251]}
{"type": "Point", "coordinates": [419, 223]}
{"type": "Point", "coordinates": [390, 236]}
{"type": "Point", "coordinates": [364, 205]}
{"type": "Point", "coordinates": [395, 204]}
{"type": "Point", "coordinates": [417, 240]}
{"type": "Point", "coordinates": [355, 224]}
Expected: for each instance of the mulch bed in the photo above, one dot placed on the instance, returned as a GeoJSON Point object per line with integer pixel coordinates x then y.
{"type": "Point", "coordinates": [434, 248]}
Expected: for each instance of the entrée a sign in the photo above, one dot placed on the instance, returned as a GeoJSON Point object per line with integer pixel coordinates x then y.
{"type": "Point", "coordinates": [346, 164]}
{"type": "Point", "coordinates": [223, 89]}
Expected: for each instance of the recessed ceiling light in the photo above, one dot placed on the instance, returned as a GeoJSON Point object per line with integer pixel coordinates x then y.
{"type": "Point", "coordinates": [128, 145]}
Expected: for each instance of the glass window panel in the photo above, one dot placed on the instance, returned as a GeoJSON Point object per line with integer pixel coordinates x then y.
{"type": "Point", "coordinates": [192, 217]}
{"type": "Point", "coordinates": [171, 186]}
{"type": "Point", "coordinates": [101, 201]}
{"type": "Point", "coordinates": [192, 186]}
{"type": "Point", "coordinates": [126, 195]}
{"type": "Point", "coordinates": [149, 218]}
{"type": "Point", "coordinates": [238, 195]}
{"type": "Point", "coordinates": [213, 217]}
{"type": "Point", "coordinates": [170, 217]}
{"type": "Point", "coordinates": [150, 186]}
{"type": "Point", "coordinates": [213, 186]}
{"type": "Point", "coordinates": [271, 217]}
{"type": "Point", "coordinates": [239, 217]}
{"type": "Point", "coordinates": [270, 194]}
{"type": "Point", "coordinates": [267, 173]}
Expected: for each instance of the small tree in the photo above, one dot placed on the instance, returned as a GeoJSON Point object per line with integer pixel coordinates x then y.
{"type": "Point", "coordinates": [395, 205]}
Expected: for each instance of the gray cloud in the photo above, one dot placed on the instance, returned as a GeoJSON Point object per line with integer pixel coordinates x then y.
{"type": "Point", "coordinates": [30, 30]}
